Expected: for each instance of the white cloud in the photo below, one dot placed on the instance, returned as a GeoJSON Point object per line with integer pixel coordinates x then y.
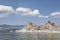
{"type": "Point", "coordinates": [22, 9]}
{"type": "Point", "coordinates": [41, 16]}
{"type": "Point", "coordinates": [27, 11]}
{"type": "Point", "coordinates": [55, 14]}
{"type": "Point", "coordinates": [5, 10]}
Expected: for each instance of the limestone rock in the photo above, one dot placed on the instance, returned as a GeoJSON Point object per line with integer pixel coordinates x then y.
{"type": "Point", "coordinates": [48, 26]}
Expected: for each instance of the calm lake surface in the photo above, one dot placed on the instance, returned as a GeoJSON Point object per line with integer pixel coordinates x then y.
{"type": "Point", "coordinates": [6, 35]}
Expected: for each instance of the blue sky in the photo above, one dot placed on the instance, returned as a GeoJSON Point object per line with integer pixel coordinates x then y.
{"type": "Point", "coordinates": [20, 12]}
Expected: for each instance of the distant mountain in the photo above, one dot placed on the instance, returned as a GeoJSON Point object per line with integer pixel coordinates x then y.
{"type": "Point", "coordinates": [4, 25]}
{"type": "Point", "coordinates": [10, 27]}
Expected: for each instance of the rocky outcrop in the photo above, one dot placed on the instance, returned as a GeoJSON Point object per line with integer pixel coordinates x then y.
{"type": "Point", "coordinates": [29, 26]}
{"type": "Point", "coordinates": [51, 26]}
{"type": "Point", "coordinates": [48, 26]}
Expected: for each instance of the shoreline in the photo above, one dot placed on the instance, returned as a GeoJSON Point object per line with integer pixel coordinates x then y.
{"type": "Point", "coordinates": [39, 31]}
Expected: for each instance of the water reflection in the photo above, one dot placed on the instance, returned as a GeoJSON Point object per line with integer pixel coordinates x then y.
{"type": "Point", "coordinates": [39, 36]}
{"type": "Point", "coordinates": [28, 36]}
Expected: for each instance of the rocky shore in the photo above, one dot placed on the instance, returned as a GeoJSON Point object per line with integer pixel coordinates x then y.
{"type": "Point", "coordinates": [47, 27]}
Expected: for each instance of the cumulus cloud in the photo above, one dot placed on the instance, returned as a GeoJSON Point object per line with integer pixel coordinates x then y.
{"type": "Point", "coordinates": [27, 11]}
{"type": "Point", "coordinates": [5, 10]}
{"type": "Point", "coordinates": [41, 16]}
{"type": "Point", "coordinates": [55, 14]}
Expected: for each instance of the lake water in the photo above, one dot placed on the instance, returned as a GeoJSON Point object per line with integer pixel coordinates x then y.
{"type": "Point", "coordinates": [6, 35]}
